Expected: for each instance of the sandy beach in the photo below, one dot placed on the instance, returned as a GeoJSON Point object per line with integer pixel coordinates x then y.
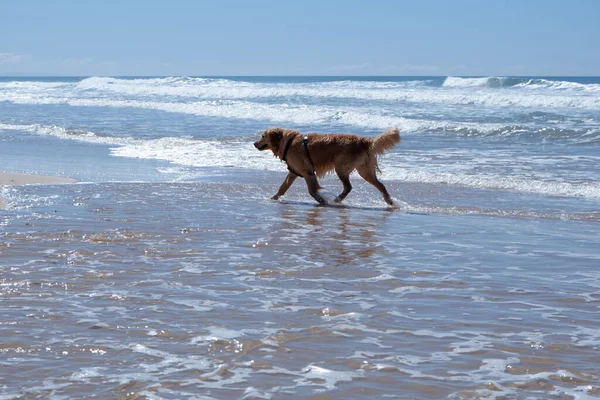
{"type": "Point", "coordinates": [17, 179]}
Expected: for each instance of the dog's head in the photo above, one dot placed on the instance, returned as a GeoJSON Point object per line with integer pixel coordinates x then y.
{"type": "Point", "coordinates": [269, 140]}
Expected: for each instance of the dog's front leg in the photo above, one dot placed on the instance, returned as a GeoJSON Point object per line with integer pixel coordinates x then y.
{"type": "Point", "coordinates": [313, 188]}
{"type": "Point", "coordinates": [287, 182]}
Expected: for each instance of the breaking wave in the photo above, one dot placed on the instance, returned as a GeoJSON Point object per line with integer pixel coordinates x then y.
{"type": "Point", "coordinates": [489, 82]}
{"type": "Point", "coordinates": [518, 82]}
{"type": "Point", "coordinates": [540, 93]}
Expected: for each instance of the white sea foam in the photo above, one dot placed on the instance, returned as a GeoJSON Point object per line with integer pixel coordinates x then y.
{"type": "Point", "coordinates": [519, 83]}
{"type": "Point", "coordinates": [33, 86]}
{"type": "Point", "coordinates": [455, 91]}
{"type": "Point", "coordinates": [559, 85]}
{"type": "Point", "coordinates": [63, 133]}
{"type": "Point", "coordinates": [199, 153]}
{"type": "Point", "coordinates": [496, 181]}
{"type": "Point", "coordinates": [453, 81]}
{"type": "Point", "coordinates": [234, 89]}
{"type": "Point", "coordinates": [314, 375]}
{"type": "Point", "coordinates": [280, 113]}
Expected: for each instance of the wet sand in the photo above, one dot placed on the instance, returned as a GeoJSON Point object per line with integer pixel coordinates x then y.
{"type": "Point", "coordinates": [10, 178]}
{"type": "Point", "coordinates": [18, 179]}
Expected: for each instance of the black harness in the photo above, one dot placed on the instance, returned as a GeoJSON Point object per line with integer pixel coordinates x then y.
{"type": "Point", "coordinates": [305, 145]}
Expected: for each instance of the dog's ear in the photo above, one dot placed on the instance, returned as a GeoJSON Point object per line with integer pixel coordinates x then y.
{"type": "Point", "coordinates": [274, 132]}
{"type": "Point", "coordinates": [273, 135]}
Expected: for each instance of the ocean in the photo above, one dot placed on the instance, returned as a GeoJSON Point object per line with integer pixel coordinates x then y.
{"type": "Point", "coordinates": [167, 273]}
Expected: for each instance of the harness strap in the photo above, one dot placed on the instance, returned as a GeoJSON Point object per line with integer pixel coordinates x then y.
{"type": "Point", "coordinates": [305, 143]}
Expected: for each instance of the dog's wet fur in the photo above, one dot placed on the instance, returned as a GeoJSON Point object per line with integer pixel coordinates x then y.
{"type": "Point", "coordinates": [323, 153]}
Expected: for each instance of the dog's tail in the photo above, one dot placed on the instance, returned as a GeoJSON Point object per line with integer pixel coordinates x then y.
{"type": "Point", "coordinates": [385, 141]}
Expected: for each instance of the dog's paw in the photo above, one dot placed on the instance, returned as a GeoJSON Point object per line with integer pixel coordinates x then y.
{"type": "Point", "coordinates": [275, 198]}
{"type": "Point", "coordinates": [327, 197]}
{"type": "Point", "coordinates": [399, 205]}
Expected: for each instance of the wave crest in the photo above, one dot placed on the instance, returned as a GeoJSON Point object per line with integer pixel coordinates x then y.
{"type": "Point", "coordinates": [499, 82]}
{"type": "Point", "coordinates": [490, 82]}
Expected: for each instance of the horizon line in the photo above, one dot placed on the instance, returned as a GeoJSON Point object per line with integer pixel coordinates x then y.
{"type": "Point", "coordinates": [17, 75]}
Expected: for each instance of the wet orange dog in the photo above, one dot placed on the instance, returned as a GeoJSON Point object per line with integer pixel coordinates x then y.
{"type": "Point", "coordinates": [314, 155]}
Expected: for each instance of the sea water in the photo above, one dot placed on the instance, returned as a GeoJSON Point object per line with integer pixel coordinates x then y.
{"type": "Point", "coordinates": [167, 273]}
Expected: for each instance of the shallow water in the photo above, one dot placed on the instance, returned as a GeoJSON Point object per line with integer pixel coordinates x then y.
{"type": "Point", "coordinates": [166, 273]}
{"type": "Point", "coordinates": [178, 290]}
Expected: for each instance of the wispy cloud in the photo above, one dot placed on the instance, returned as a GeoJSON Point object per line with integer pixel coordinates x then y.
{"type": "Point", "coordinates": [419, 68]}
{"type": "Point", "coordinates": [26, 64]}
{"type": "Point", "coordinates": [68, 62]}
{"type": "Point", "coordinates": [352, 67]}
{"type": "Point", "coordinates": [12, 58]}
{"type": "Point", "coordinates": [370, 68]}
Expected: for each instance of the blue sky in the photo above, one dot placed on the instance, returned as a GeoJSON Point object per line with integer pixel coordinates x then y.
{"type": "Point", "coordinates": [308, 37]}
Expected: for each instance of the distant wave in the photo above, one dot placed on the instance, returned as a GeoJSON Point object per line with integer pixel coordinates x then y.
{"type": "Point", "coordinates": [559, 85]}
{"type": "Point", "coordinates": [490, 82]}
{"type": "Point", "coordinates": [298, 114]}
{"type": "Point", "coordinates": [518, 82]}
{"type": "Point", "coordinates": [301, 114]}
{"type": "Point", "coordinates": [455, 92]}
{"type": "Point", "coordinates": [321, 115]}
{"type": "Point", "coordinates": [219, 88]}
{"type": "Point", "coordinates": [318, 115]}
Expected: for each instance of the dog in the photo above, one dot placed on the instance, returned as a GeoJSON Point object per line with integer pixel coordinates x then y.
{"type": "Point", "coordinates": [314, 155]}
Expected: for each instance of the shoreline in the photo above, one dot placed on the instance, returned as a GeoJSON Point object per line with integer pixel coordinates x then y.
{"type": "Point", "coordinates": [19, 179]}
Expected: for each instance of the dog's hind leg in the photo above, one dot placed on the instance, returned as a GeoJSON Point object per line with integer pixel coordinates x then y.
{"type": "Point", "coordinates": [289, 179]}
{"type": "Point", "coordinates": [313, 188]}
{"type": "Point", "coordinates": [368, 173]}
{"type": "Point", "coordinates": [345, 178]}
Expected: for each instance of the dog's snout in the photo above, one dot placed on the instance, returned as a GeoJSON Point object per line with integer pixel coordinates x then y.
{"type": "Point", "coordinates": [260, 146]}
